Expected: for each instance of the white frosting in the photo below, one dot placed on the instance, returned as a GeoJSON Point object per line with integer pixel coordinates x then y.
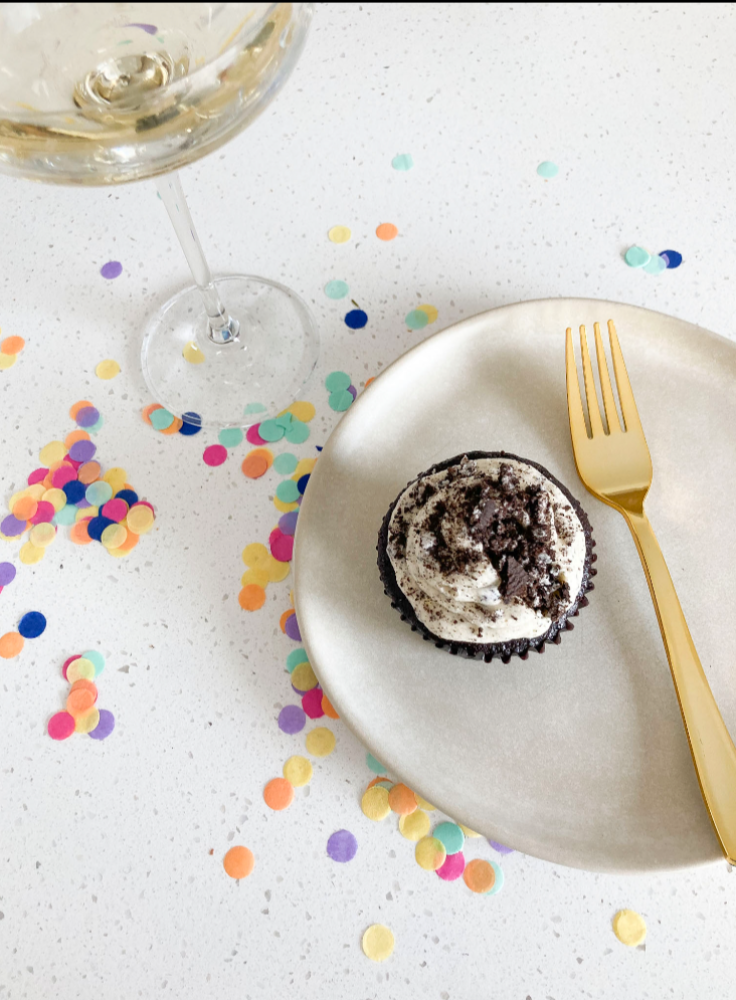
{"type": "Point", "coordinates": [468, 606]}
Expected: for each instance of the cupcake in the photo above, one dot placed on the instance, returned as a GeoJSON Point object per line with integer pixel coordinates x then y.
{"type": "Point", "coordinates": [487, 554]}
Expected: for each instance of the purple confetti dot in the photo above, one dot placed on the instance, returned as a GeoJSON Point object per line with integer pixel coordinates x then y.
{"type": "Point", "coordinates": [7, 573]}
{"type": "Point", "coordinates": [500, 847]}
{"type": "Point", "coordinates": [82, 451]}
{"type": "Point", "coordinates": [342, 846]}
{"type": "Point", "coordinates": [291, 627]}
{"type": "Point", "coordinates": [287, 522]}
{"type": "Point", "coordinates": [113, 269]}
{"type": "Point", "coordinates": [104, 727]}
{"type": "Point", "coordinates": [88, 416]}
{"type": "Point", "coordinates": [292, 719]}
{"type": "Point", "coordinates": [150, 29]}
{"type": "Point", "coordinates": [12, 527]}
{"type": "Point", "coordinates": [353, 391]}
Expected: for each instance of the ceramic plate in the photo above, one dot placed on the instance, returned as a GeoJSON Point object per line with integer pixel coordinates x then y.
{"type": "Point", "coordinates": [578, 756]}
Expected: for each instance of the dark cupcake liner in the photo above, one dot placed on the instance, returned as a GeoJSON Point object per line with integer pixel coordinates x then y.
{"type": "Point", "coordinates": [477, 650]}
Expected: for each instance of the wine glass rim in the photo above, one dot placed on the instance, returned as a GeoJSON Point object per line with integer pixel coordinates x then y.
{"type": "Point", "coordinates": [245, 33]}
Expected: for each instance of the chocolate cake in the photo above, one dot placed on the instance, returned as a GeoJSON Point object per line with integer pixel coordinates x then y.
{"type": "Point", "coordinates": [487, 554]}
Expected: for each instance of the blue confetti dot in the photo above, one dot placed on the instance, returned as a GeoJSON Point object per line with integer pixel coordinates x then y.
{"type": "Point", "coordinates": [130, 496]}
{"type": "Point", "coordinates": [74, 491]}
{"type": "Point", "coordinates": [356, 319]}
{"type": "Point", "coordinates": [672, 258]}
{"type": "Point", "coordinates": [302, 483]}
{"type": "Point", "coordinates": [96, 526]}
{"type": "Point", "coordinates": [191, 423]}
{"type": "Point", "coordinates": [32, 625]}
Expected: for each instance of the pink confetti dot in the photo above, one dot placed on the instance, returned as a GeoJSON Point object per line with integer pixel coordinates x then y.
{"type": "Point", "coordinates": [312, 703]}
{"type": "Point", "coordinates": [37, 476]}
{"type": "Point", "coordinates": [453, 867]}
{"type": "Point", "coordinates": [115, 509]}
{"type": "Point", "coordinates": [253, 436]}
{"type": "Point", "coordinates": [215, 454]}
{"type": "Point", "coordinates": [282, 546]}
{"type": "Point", "coordinates": [62, 476]}
{"type": "Point", "coordinates": [61, 726]}
{"type": "Point", "coordinates": [68, 662]}
{"type": "Point", "coordinates": [44, 512]}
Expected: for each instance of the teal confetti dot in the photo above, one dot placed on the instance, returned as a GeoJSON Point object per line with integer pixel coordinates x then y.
{"type": "Point", "coordinates": [404, 161]}
{"type": "Point", "coordinates": [97, 658]}
{"type": "Point", "coordinates": [253, 408]}
{"type": "Point", "coordinates": [297, 432]}
{"type": "Point", "coordinates": [285, 464]}
{"type": "Point", "coordinates": [340, 400]}
{"type": "Point", "coordinates": [295, 657]}
{"type": "Point", "coordinates": [451, 836]}
{"type": "Point", "coordinates": [97, 426]}
{"type": "Point", "coordinates": [498, 884]}
{"type": "Point", "coordinates": [655, 265]}
{"type": "Point", "coordinates": [67, 514]}
{"type": "Point", "coordinates": [230, 437]}
{"type": "Point", "coordinates": [98, 493]}
{"type": "Point", "coordinates": [375, 765]}
{"type": "Point", "coordinates": [336, 381]}
{"type": "Point", "coordinates": [336, 289]}
{"type": "Point", "coordinates": [270, 430]}
{"type": "Point", "coordinates": [288, 491]}
{"type": "Point", "coordinates": [637, 256]}
{"type": "Point", "coordinates": [416, 319]}
{"type": "Point", "coordinates": [548, 169]}
{"type": "Point", "coordinates": [161, 419]}
{"type": "Point", "coordinates": [284, 420]}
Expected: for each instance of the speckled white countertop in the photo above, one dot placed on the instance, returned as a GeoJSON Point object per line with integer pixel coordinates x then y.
{"type": "Point", "coordinates": [107, 884]}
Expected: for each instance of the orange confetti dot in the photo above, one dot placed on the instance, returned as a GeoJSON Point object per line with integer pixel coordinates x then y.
{"type": "Point", "coordinates": [10, 645]}
{"type": "Point", "coordinates": [25, 508]}
{"type": "Point", "coordinates": [479, 875]}
{"type": "Point", "coordinates": [173, 428]}
{"type": "Point", "coordinates": [255, 465]}
{"type": "Point", "coordinates": [80, 405]}
{"type": "Point", "coordinates": [252, 597]}
{"type": "Point", "coordinates": [81, 698]}
{"type": "Point", "coordinates": [328, 709]}
{"type": "Point", "coordinates": [12, 345]}
{"type": "Point", "coordinates": [238, 862]}
{"type": "Point", "coordinates": [75, 436]}
{"type": "Point", "coordinates": [278, 794]}
{"type": "Point", "coordinates": [402, 800]}
{"type": "Point", "coordinates": [387, 231]}
{"type": "Point", "coordinates": [89, 473]}
{"type": "Point", "coordinates": [79, 534]}
{"type": "Point", "coordinates": [284, 619]}
{"type": "Point", "coordinates": [130, 542]}
{"type": "Point", "coordinates": [371, 379]}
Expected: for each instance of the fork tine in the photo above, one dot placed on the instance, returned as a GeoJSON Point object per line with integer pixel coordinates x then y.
{"type": "Point", "coordinates": [609, 403]}
{"type": "Point", "coordinates": [625, 393]}
{"type": "Point", "coordinates": [578, 430]}
{"type": "Point", "coordinates": [594, 414]}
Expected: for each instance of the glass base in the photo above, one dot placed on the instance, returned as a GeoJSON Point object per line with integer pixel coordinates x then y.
{"type": "Point", "coordinates": [255, 376]}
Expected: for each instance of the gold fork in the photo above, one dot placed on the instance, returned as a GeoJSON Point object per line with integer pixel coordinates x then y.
{"type": "Point", "coordinates": [616, 467]}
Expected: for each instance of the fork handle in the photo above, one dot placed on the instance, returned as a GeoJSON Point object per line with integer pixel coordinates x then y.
{"type": "Point", "coordinates": [714, 754]}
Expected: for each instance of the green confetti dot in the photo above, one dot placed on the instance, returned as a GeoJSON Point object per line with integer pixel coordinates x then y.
{"type": "Point", "coordinates": [416, 319]}
{"type": "Point", "coordinates": [336, 381]}
{"type": "Point", "coordinates": [404, 161]}
{"type": "Point", "coordinates": [498, 884]}
{"type": "Point", "coordinates": [284, 420]}
{"type": "Point", "coordinates": [288, 491]}
{"type": "Point", "coordinates": [375, 765]}
{"type": "Point", "coordinates": [295, 657]}
{"type": "Point", "coordinates": [96, 658]}
{"type": "Point", "coordinates": [97, 426]}
{"type": "Point", "coordinates": [161, 419]}
{"type": "Point", "coordinates": [253, 408]}
{"type": "Point", "coordinates": [548, 170]}
{"type": "Point", "coordinates": [297, 432]}
{"type": "Point", "coordinates": [270, 430]}
{"type": "Point", "coordinates": [336, 289]}
{"type": "Point", "coordinates": [450, 835]}
{"type": "Point", "coordinates": [285, 464]}
{"type": "Point", "coordinates": [230, 437]}
{"type": "Point", "coordinates": [637, 256]}
{"type": "Point", "coordinates": [655, 265]}
{"type": "Point", "coordinates": [67, 514]}
{"type": "Point", "coordinates": [340, 400]}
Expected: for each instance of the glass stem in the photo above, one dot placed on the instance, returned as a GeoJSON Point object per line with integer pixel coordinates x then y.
{"type": "Point", "coordinates": [223, 329]}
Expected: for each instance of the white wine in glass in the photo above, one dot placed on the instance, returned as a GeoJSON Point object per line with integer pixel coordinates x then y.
{"type": "Point", "coordinates": [110, 92]}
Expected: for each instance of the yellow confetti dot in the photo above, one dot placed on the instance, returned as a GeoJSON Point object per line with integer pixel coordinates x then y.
{"type": "Point", "coordinates": [87, 722]}
{"type": "Point", "coordinates": [7, 361]}
{"type": "Point", "coordinates": [415, 825]}
{"type": "Point", "coordinates": [31, 554]}
{"type": "Point", "coordinates": [256, 556]}
{"type": "Point", "coordinates": [320, 742]}
{"type": "Point", "coordinates": [466, 830]}
{"type": "Point", "coordinates": [57, 498]}
{"type": "Point", "coordinates": [114, 536]}
{"type": "Point", "coordinates": [423, 804]}
{"type": "Point", "coordinates": [259, 577]}
{"type": "Point", "coordinates": [304, 468]}
{"type": "Point", "coordinates": [116, 478]}
{"type": "Point", "coordinates": [52, 452]}
{"type": "Point", "coordinates": [192, 353]}
{"type": "Point", "coordinates": [430, 312]}
{"type": "Point", "coordinates": [339, 234]}
{"type": "Point", "coordinates": [378, 943]}
{"type": "Point", "coordinates": [86, 512]}
{"type": "Point", "coordinates": [302, 410]}
{"type": "Point", "coordinates": [430, 854]}
{"type": "Point", "coordinates": [303, 678]}
{"type": "Point", "coordinates": [277, 571]}
{"type": "Point", "coordinates": [42, 535]}
{"type": "Point", "coordinates": [298, 770]}
{"type": "Point", "coordinates": [18, 496]}
{"type": "Point", "coordinates": [80, 669]}
{"type": "Point", "coordinates": [375, 803]}
{"type": "Point", "coordinates": [108, 369]}
{"type": "Point", "coordinates": [282, 507]}
{"type": "Point", "coordinates": [139, 519]}
{"type": "Point", "coordinates": [630, 928]}
{"type": "Point", "coordinates": [36, 491]}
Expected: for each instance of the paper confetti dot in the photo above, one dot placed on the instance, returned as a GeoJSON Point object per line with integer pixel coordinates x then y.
{"type": "Point", "coordinates": [337, 380]}
{"type": "Point", "coordinates": [340, 400]}
{"type": "Point", "coordinates": [252, 597]}
{"type": "Point", "coordinates": [655, 265]}
{"type": "Point", "coordinates": [500, 847]}
{"type": "Point", "coordinates": [53, 452]}
{"type": "Point", "coordinates": [287, 491]}
{"type": "Point", "coordinates": [304, 678]}
{"type": "Point", "coordinates": [468, 832]}
{"type": "Point", "coordinates": [312, 703]}
{"type": "Point", "coordinates": [14, 345]}
{"type": "Point", "coordinates": [291, 629]}
{"type": "Point", "coordinates": [298, 771]}
{"type": "Point", "coordinates": [278, 794]}
{"type": "Point", "coordinates": [415, 825]}
{"type": "Point", "coordinates": [320, 742]}
{"type": "Point", "coordinates": [416, 319]}
{"type": "Point", "coordinates": [339, 234]}
{"type": "Point", "coordinates": [7, 361]}
{"type": "Point", "coordinates": [7, 573]}
{"type": "Point", "coordinates": [548, 169]}
{"type": "Point", "coordinates": [104, 727]}
{"type": "Point", "coordinates": [430, 854]}
{"type": "Point", "coordinates": [238, 862]}
{"type": "Point", "coordinates": [61, 726]}
{"type": "Point", "coordinates": [378, 943]}
{"type": "Point", "coordinates": [112, 269]}
{"type": "Point", "coordinates": [113, 536]}
{"type": "Point", "coordinates": [302, 411]}
{"type": "Point", "coordinates": [403, 161]}
{"type": "Point", "coordinates": [336, 289]}
{"type": "Point", "coordinates": [328, 708]}
{"type": "Point", "coordinates": [431, 312]}
{"type": "Point", "coordinates": [285, 463]}
{"type": "Point", "coordinates": [387, 231]}
{"type": "Point", "coordinates": [81, 698]}
{"type": "Point", "coordinates": [356, 319]}
{"type": "Point", "coordinates": [86, 417]}
{"type": "Point", "coordinates": [107, 369]}
{"type": "Point", "coordinates": [192, 354]}
{"type": "Point", "coordinates": [498, 884]}
{"type": "Point", "coordinates": [256, 463]}
{"type": "Point", "coordinates": [671, 258]}
{"type": "Point", "coordinates": [637, 256]}
{"type": "Point", "coordinates": [80, 669]}
{"type": "Point", "coordinates": [375, 803]}
{"type": "Point", "coordinates": [342, 846]}
{"type": "Point", "coordinates": [88, 722]}
{"type": "Point", "coordinates": [297, 432]}
{"type": "Point", "coordinates": [451, 836]}
{"type": "Point", "coordinates": [32, 624]}
{"type": "Point", "coordinates": [453, 867]}
{"type": "Point", "coordinates": [96, 659]}
{"type": "Point", "coordinates": [230, 437]}
{"type": "Point", "coordinates": [630, 928]}
{"type": "Point", "coordinates": [295, 657]}
{"type": "Point", "coordinates": [214, 455]}
{"type": "Point", "coordinates": [292, 719]}
{"type": "Point", "coordinates": [282, 546]}
{"type": "Point", "coordinates": [479, 875]}
{"type": "Point", "coordinates": [98, 493]}
{"type": "Point", "coordinates": [375, 765]}
{"type": "Point", "coordinates": [270, 430]}
{"type": "Point", "coordinates": [11, 644]}
{"type": "Point", "coordinates": [402, 800]}
{"type": "Point", "coordinates": [30, 554]}
{"type": "Point", "coordinates": [161, 419]}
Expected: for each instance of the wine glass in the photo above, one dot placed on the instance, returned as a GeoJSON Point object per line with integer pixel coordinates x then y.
{"type": "Point", "coordinates": [102, 93]}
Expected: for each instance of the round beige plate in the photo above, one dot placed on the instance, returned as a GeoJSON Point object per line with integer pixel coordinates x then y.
{"type": "Point", "coordinates": [577, 756]}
